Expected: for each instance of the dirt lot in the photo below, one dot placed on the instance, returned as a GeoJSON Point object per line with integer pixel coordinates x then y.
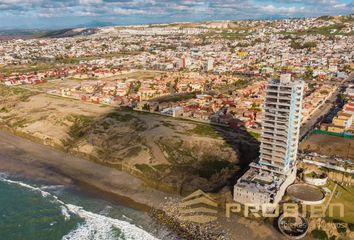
{"type": "Point", "coordinates": [329, 145]}
{"type": "Point", "coordinates": [176, 154]}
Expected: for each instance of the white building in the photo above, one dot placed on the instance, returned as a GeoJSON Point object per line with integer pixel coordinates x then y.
{"type": "Point", "coordinates": [209, 65]}
{"type": "Point", "coordinates": [267, 180]}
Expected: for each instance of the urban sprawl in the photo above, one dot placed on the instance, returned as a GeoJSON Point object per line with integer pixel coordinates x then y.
{"type": "Point", "coordinates": [279, 80]}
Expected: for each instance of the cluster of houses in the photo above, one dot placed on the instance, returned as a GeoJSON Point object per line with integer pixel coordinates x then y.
{"type": "Point", "coordinates": [343, 122]}
{"type": "Point", "coordinates": [247, 47]}
{"type": "Point", "coordinates": [240, 108]}
{"type": "Point", "coordinates": [316, 98]}
{"type": "Point", "coordinates": [80, 72]}
{"type": "Point", "coordinates": [129, 91]}
{"type": "Point", "coordinates": [113, 92]}
{"type": "Point", "coordinates": [200, 59]}
{"type": "Point", "coordinates": [15, 79]}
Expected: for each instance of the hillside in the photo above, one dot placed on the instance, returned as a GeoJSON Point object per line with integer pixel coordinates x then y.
{"type": "Point", "coordinates": [169, 154]}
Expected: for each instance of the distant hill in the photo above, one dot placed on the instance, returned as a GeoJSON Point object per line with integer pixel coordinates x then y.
{"type": "Point", "coordinates": [20, 34]}
{"type": "Point", "coordinates": [95, 24]}
{"type": "Point", "coordinates": [70, 32]}
{"type": "Point", "coordinates": [92, 27]}
{"type": "Point", "coordinates": [27, 34]}
{"type": "Point", "coordinates": [348, 18]}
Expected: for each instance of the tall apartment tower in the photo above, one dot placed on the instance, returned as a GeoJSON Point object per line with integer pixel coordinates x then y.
{"type": "Point", "coordinates": [267, 180]}
{"type": "Point", "coordinates": [281, 124]}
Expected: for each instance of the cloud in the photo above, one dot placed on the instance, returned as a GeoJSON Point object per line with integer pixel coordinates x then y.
{"type": "Point", "coordinates": [89, 2]}
{"type": "Point", "coordinates": [123, 11]}
{"type": "Point", "coordinates": [169, 10]}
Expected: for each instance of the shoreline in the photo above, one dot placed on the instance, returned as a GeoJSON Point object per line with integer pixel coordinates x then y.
{"type": "Point", "coordinates": [44, 163]}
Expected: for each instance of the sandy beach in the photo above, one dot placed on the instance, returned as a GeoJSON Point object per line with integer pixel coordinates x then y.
{"type": "Point", "coordinates": [23, 157]}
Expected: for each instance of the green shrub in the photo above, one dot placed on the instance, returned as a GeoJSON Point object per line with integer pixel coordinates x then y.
{"type": "Point", "coordinates": [144, 168]}
{"type": "Point", "coordinates": [4, 109]}
{"type": "Point", "coordinates": [81, 125]}
{"type": "Point", "coordinates": [298, 45]}
{"type": "Point", "coordinates": [162, 167]}
{"type": "Point", "coordinates": [340, 229]}
{"type": "Point", "coordinates": [122, 117]}
{"type": "Point", "coordinates": [319, 234]}
{"type": "Point", "coordinates": [255, 135]}
{"type": "Point", "coordinates": [205, 130]}
{"type": "Point", "coordinates": [351, 226]}
{"type": "Point", "coordinates": [208, 168]}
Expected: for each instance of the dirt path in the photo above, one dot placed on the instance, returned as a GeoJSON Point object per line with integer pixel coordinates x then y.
{"type": "Point", "coordinates": [157, 153]}
{"type": "Point", "coordinates": [330, 197]}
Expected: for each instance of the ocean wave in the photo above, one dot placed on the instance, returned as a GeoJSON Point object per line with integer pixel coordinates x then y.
{"type": "Point", "coordinates": [129, 219]}
{"type": "Point", "coordinates": [102, 227]}
{"type": "Point", "coordinates": [96, 226]}
{"type": "Point", "coordinates": [25, 185]}
{"type": "Point", "coordinates": [52, 187]}
{"type": "Point", "coordinates": [3, 175]}
{"type": "Point", "coordinates": [106, 210]}
{"type": "Point", "coordinates": [65, 213]}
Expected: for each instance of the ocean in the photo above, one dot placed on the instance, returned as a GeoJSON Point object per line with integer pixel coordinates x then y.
{"type": "Point", "coordinates": [32, 211]}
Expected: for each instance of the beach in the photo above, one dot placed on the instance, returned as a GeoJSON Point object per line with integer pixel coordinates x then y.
{"type": "Point", "coordinates": [35, 160]}
{"type": "Point", "coordinates": [43, 163]}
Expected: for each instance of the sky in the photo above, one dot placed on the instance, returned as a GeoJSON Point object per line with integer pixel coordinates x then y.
{"type": "Point", "coordinates": [54, 14]}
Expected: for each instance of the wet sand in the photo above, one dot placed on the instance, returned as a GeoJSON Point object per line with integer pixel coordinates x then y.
{"type": "Point", "coordinates": [42, 163]}
{"type": "Point", "coordinates": [21, 156]}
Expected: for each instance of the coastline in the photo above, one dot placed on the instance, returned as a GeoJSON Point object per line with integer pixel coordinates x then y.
{"type": "Point", "coordinates": [44, 163]}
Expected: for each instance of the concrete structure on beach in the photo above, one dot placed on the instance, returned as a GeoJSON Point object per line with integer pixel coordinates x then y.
{"type": "Point", "coordinates": [266, 181]}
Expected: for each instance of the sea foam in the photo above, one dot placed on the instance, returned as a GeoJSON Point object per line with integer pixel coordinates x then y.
{"type": "Point", "coordinates": [95, 226]}
{"type": "Point", "coordinates": [101, 227]}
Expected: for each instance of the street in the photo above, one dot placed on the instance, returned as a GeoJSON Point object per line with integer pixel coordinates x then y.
{"type": "Point", "coordinates": [316, 118]}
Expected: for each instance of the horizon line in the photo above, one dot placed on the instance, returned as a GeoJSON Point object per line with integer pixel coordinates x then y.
{"type": "Point", "coordinates": [111, 24]}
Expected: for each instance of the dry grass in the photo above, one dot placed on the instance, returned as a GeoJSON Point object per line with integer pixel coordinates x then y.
{"type": "Point", "coordinates": [329, 145]}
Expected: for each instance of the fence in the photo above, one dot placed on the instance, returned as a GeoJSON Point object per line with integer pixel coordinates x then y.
{"type": "Point", "coordinates": [345, 135]}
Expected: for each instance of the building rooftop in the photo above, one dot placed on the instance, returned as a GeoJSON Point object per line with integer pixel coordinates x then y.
{"type": "Point", "coordinates": [258, 180]}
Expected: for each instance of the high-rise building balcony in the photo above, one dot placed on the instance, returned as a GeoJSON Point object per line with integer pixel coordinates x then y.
{"type": "Point", "coordinates": [272, 119]}
{"type": "Point", "coordinates": [275, 130]}
{"type": "Point", "coordinates": [271, 146]}
{"type": "Point", "coordinates": [278, 157]}
{"type": "Point", "coordinates": [277, 109]}
{"type": "Point", "coordinates": [274, 139]}
{"type": "Point", "coordinates": [275, 136]}
{"type": "Point", "coordinates": [279, 91]}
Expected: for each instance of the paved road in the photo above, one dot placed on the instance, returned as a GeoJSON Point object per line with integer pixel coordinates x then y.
{"type": "Point", "coordinates": [322, 111]}
{"type": "Point", "coordinates": [318, 114]}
